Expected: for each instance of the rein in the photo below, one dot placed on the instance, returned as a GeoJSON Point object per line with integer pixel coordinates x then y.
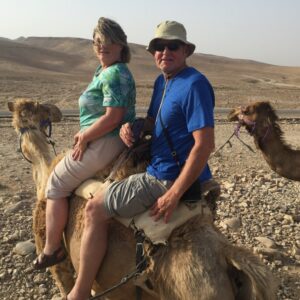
{"type": "Point", "coordinates": [251, 125]}
{"type": "Point", "coordinates": [44, 124]}
{"type": "Point", "coordinates": [235, 133]}
{"type": "Point", "coordinates": [124, 280]}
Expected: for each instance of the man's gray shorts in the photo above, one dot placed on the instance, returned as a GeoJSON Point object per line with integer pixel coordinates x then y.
{"type": "Point", "coordinates": [134, 194]}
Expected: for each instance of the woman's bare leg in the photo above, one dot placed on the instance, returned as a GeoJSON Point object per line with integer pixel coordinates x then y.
{"type": "Point", "coordinates": [56, 219]}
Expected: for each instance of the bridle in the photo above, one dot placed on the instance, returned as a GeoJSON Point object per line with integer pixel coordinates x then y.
{"type": "Point", "coordinates": [45, 126]}
{"type": "Point", "coordinates": [250, 126]}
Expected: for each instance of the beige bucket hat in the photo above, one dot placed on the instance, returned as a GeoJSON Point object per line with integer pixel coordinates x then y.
{"type": "Point", "coordinates": [170, 30]}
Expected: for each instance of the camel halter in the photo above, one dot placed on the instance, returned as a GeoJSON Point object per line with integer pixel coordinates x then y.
{"type": "Point", "coordinates": [251, 125]}
{"type": "Point", "coordinates": [44, 124]}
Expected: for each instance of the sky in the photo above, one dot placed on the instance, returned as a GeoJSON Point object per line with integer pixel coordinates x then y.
{"type": "Point", "coordinates": [262, 30]}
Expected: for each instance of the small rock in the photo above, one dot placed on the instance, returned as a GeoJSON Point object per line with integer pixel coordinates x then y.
{"type": "Point", "coordinates": [14, 236]}
{"type": "Point", "coordinates": [244, 204]}
{"type": "Point", "coordinates": [295, 251]}
{"type": "Point", "coordinates": [17, 198]}
{"type": "Point", "coordinates": [39, 278]}
{"type": "Point", "coordinates": [228, 185]}
{"type": "Point", "coordinates": [56, 297]}
{"type": "Point", "coordinates": [289, 219]}
{"type": "Point", "coordinates": [24, 248]}
{"type": "Point", "coordinates": [14, 208]}
{"type": "Point", "coordinates": [2, 275]}
{"type": "Point", "coordinates": [268, 243]}
{"type": "Point", "coordinates": [270, 253]}
{"type": "Point", "coordinates": [43, 289]}
{"type": "Point", "coordinates": [233, 223]}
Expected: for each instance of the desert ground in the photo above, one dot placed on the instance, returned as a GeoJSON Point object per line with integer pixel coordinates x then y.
{"type": "Point", "coordinates": [258, 209]}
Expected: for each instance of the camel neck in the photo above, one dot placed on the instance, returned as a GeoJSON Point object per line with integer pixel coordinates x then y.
{"type": "Point", "coordinates": [281, 158]}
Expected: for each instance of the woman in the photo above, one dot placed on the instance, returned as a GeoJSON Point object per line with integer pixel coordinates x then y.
{"type": "Point", "coordinates": [106, 104]}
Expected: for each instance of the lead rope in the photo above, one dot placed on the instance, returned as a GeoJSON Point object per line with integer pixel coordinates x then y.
{"type": "Point", "coordinates": [48, 124]}
{"type": "Point", "coordinates": [236, 134]}
{"type": "Point", "coordinates": [20, 147]}
{"type": "Point", "coordinates": [43, 123]}
{"type": "Point", "coordinates": [124, 280]}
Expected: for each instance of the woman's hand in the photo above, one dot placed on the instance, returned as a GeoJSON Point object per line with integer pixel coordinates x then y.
{"type": "Point", "coordinates": [79, 146]}
{"type": "Point", "coordinates": [126, 134]}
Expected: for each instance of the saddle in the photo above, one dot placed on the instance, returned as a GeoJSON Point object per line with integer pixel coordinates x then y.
{"type": "Point", "coordinates": [158, 232]}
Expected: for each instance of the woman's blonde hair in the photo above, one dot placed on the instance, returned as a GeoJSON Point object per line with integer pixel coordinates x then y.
{"type": "Point", "coordinates": [110, 31]}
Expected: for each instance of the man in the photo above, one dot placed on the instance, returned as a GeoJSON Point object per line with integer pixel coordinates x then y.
{"type": "Point", "coordinates": [181, 110]}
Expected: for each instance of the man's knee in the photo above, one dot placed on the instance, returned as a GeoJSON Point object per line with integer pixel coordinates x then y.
{"type": "Point", "coordinates": [95, 210]}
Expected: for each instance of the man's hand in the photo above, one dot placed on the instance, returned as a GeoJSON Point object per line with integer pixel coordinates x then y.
{"type": "Point", "coordinates": [79, 146]}
{"type": "Point", "coordinates": [126, 134]}
{"type": "Point", "coordinates": [164, 206]}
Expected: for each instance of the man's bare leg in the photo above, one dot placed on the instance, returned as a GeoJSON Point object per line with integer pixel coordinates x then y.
{"type": "Point", "coordinates": [93, 248]}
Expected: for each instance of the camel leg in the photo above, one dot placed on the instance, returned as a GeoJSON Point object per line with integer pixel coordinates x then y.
{"type": "Point", "coordinates": [241, 284]}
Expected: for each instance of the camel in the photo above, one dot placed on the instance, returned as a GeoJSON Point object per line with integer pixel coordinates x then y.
{"type": "Point", "coordinates": [261, 121]}
{"type": "Point", "coordinates": [197, 263]}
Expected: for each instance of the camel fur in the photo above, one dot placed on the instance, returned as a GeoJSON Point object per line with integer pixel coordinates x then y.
{"type": "Point", "coordinates": [261, 121]}
{"type": "Point", "coordinates": [198, 263]}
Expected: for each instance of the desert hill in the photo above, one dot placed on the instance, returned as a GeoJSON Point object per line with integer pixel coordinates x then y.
{"type": "Point", "coordinates": [58, 69]}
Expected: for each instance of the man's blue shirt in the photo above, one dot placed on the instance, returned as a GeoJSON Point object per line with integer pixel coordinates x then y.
{"type": "Point", "coordinates": [187, 106]}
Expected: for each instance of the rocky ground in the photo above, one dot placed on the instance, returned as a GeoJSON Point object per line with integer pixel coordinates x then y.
{"type": "Point", "coordinates": [258, 210]}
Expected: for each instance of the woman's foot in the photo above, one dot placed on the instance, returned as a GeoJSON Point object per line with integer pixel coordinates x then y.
{"type": "Point", "coordinates": [47, 260]}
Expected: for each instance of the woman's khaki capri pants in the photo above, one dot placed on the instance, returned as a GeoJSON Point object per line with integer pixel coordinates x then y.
{"type": "Point", "coordinates": [68, 174]}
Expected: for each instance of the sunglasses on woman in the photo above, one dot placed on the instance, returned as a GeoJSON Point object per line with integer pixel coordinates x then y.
{"type": "Point", "coordinates": [172, 46]}
{"type": "Point", "coordinates": [98, 43]}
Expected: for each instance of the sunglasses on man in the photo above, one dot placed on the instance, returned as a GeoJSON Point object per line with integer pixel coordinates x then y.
{"type": "Point", "coordinates": [172, 46]}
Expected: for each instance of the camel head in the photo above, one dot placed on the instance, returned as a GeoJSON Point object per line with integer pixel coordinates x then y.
{"type": "Point", "coordinates": [256, 117]}
{"type": "Point", "coordinates": [31, 114]}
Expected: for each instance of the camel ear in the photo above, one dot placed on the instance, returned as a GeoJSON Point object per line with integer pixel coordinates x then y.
{"type": "Point", "coordinates": [36, 106]}
{"type": "Point", "coordinates": [10, 106]}
{"type": "Point", "coordinates": [55, 113]}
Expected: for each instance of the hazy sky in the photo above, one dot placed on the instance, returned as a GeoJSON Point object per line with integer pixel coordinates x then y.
{"type": "Point", "coordinates": [262, 30]}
